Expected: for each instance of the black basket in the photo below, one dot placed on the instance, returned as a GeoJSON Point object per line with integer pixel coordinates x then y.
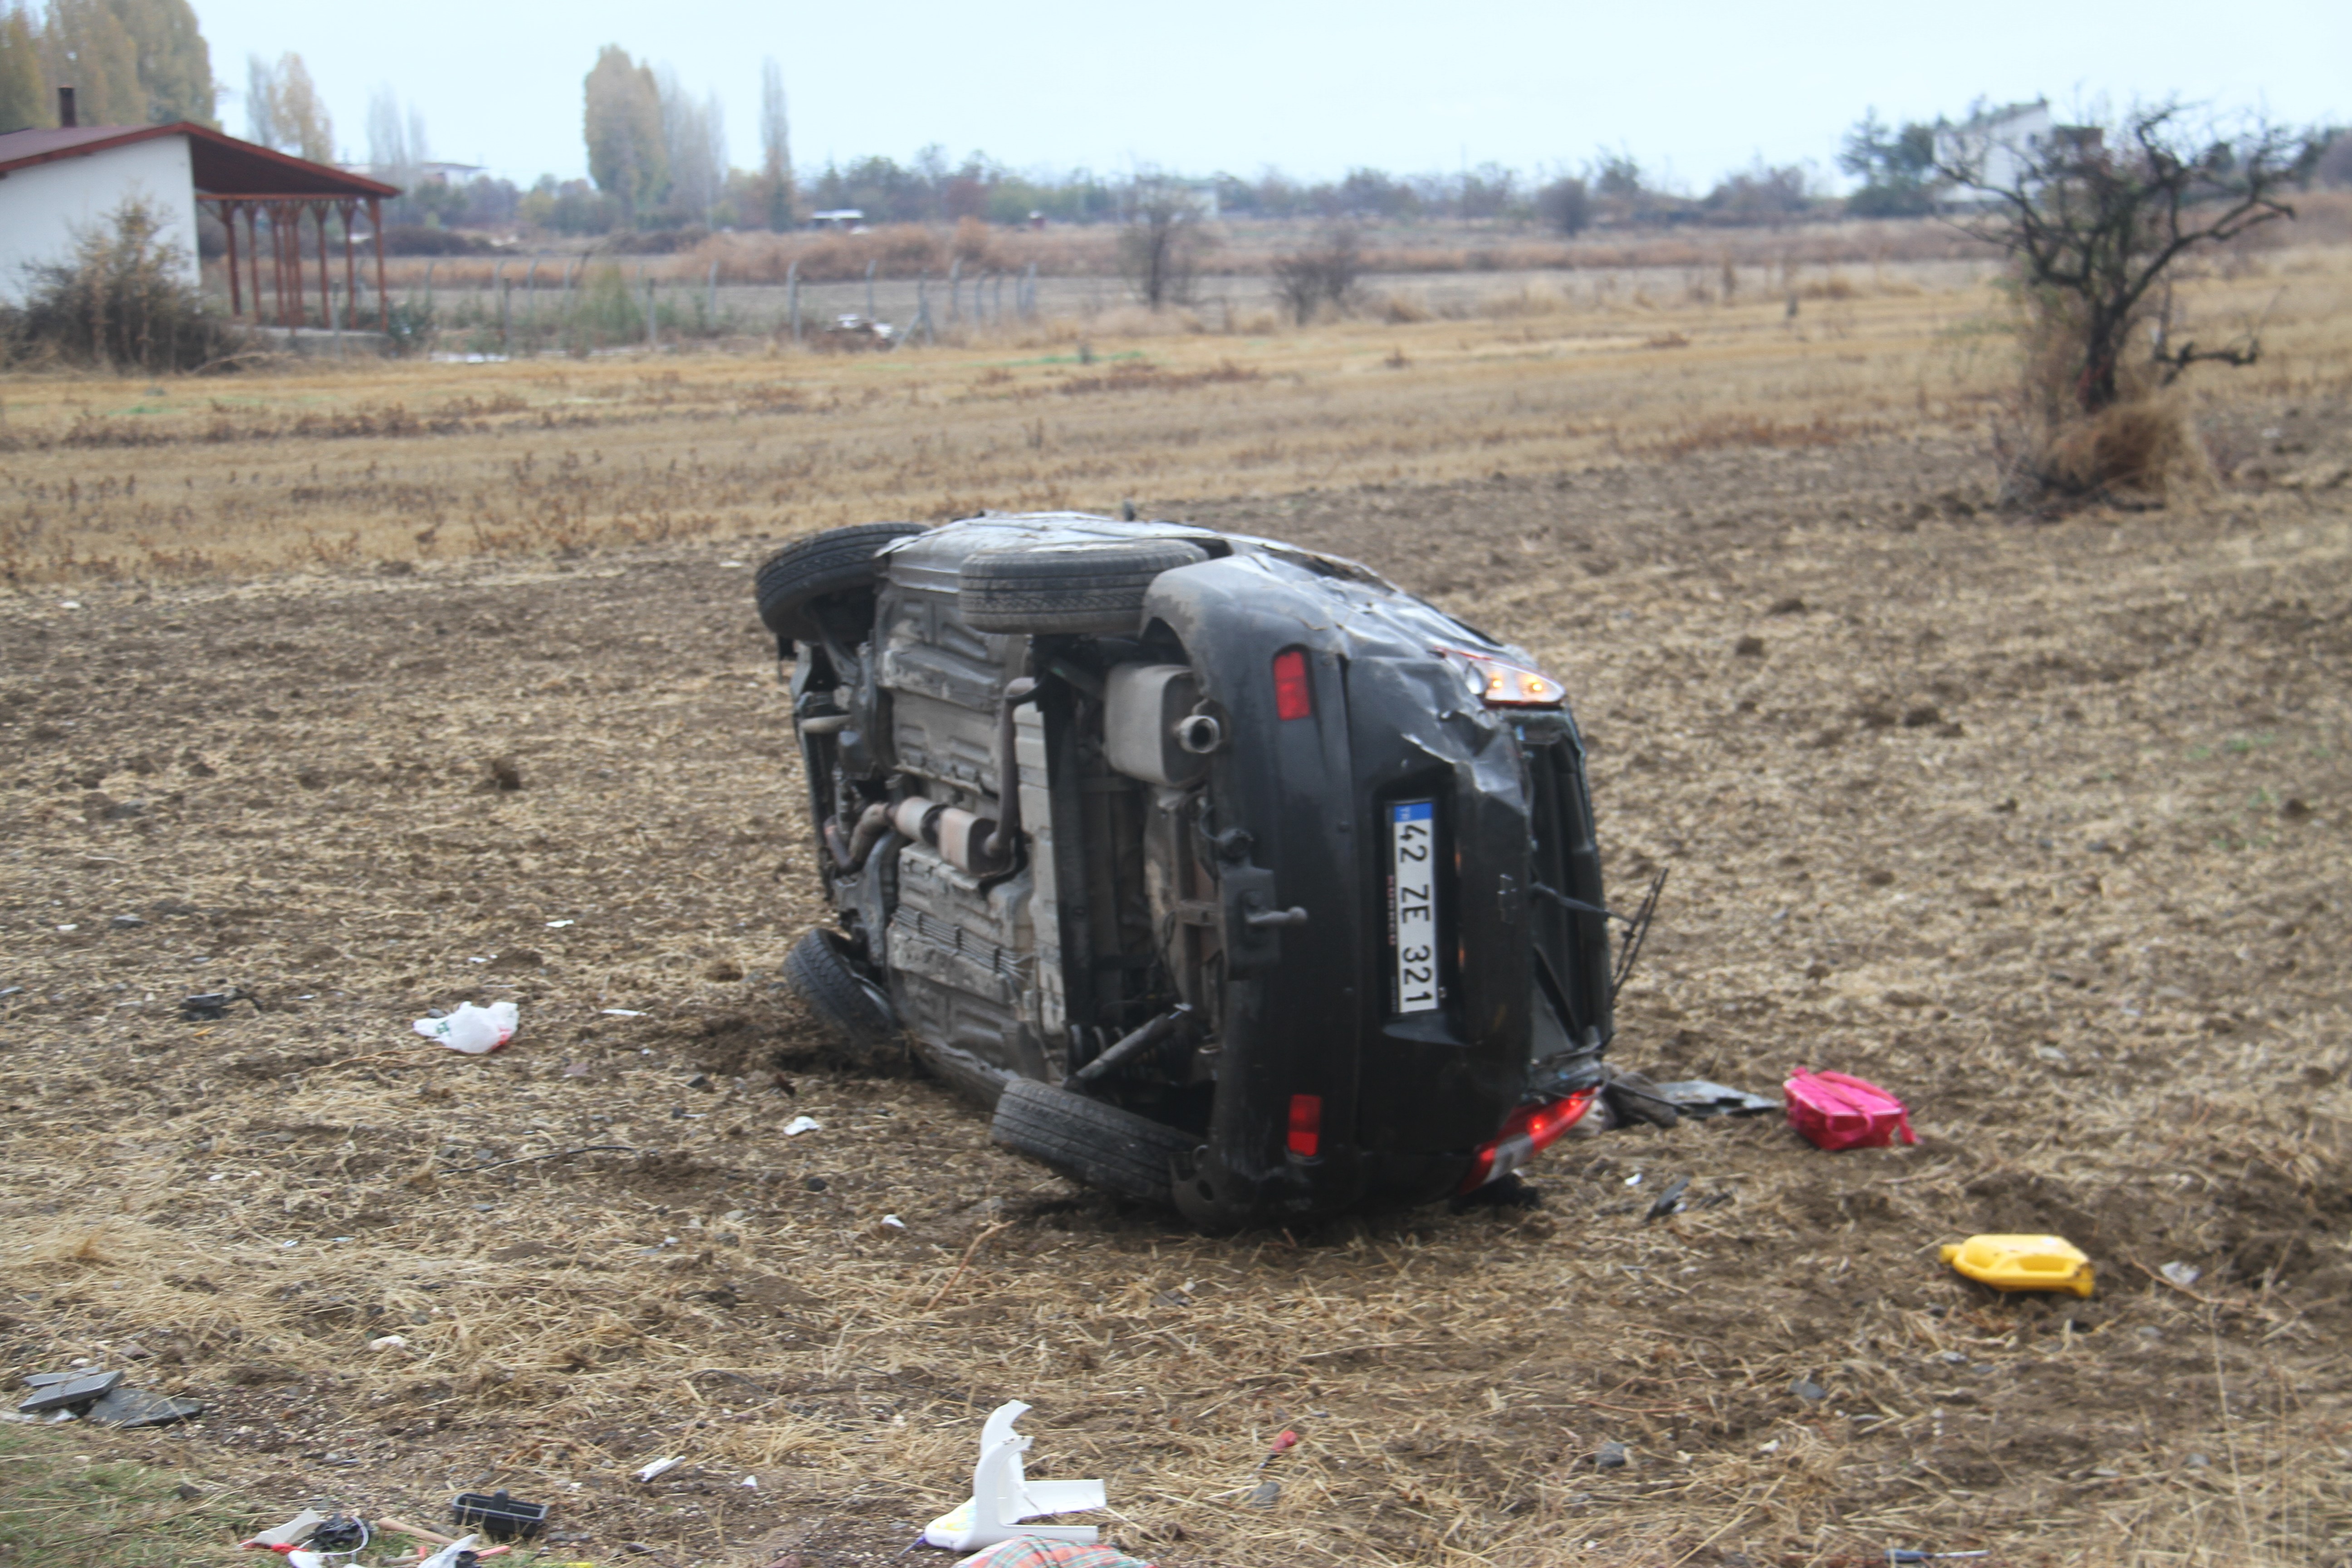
{"type": "Point", "coordinates": [499, 1516]}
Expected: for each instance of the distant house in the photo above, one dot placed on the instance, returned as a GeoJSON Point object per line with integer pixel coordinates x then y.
{"type": "Point", "coordinates": [56, 185]}
{"type": "Point", "coordinates": [2001, 144]}
{"type": "Point", "coordinates": [839, 217]}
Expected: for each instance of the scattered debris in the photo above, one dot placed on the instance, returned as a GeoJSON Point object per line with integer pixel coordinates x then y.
{"type": "Point", "coordinates": [500, 1517]}
{"type": "Point", "coordinates": [800, 1124]}
{"type": "Point", "coordinates": [1905, 1554]}
{"type": "Point", "coordinates": [475, 1030]}
{"type": "Point", "coordinates": [2022, 1262]}
{"type": "Point", "coordinates": [291, 1533]}
{"type": "Point", "coordinates": [661, 1467]}
{"type": "Point", "coordinates": [1264, 1494]}
{"type": "Point", "coordinates": [458, 1553]}
{"type": "Point", "coordinates": [1668, 1202]}
{"type": "Point", "coordinates": [1002, 1496]}
{"type": "Point", "coordinates": [1028, 1552]}
{"type": "Point", "coordinates": [1282, 1445]}
{"type": "Point", "coordinates": [1834, 1112]}
{"type": "Point", "coordinates": [2182, 1273]}
{"type": "Point", "coordinates": [1806, 1389]}
{"type": "Point", "coordinates": [211, 1007]}
{"type": "Point", "coordinates": [67, 1393]}
{"type": "Point", "coordinates": [1612, 1456]}
{"type": "Point", "coordinates": [1699, 1098]}
{"type": "Point", "coordinates": [135, 1408]}
{"type": "Point", "coordinates": [388, 1343]}
{"type": "Point", "coordinates": [622, 1013]}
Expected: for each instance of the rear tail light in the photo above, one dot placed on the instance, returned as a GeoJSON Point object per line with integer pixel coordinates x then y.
{"type": "Point", "coordinates": [1531, 1130]}
{"type": "Point", "coordinates": [1294, 697]}
{"type": "Point", "coordinates": [1306, 1139]}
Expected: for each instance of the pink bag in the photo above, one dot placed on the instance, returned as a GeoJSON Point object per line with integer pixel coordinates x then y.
{"type": "Point", "coordinates": [1834, 1112]}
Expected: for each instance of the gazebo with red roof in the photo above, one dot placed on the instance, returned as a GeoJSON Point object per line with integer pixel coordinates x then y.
{"type": "Point", "coordinates": [236, 179]}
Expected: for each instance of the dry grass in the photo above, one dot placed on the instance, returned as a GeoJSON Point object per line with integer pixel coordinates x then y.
{"type": "Point", "coordinates": [408, 464]}
{"type": "Point", "coordinates": [2044, 827]}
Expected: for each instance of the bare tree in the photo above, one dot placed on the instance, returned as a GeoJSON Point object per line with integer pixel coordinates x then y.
{"type": "Point", "coordinates": [1159, 247]}
{"type": "Point", "coordinates": [1323, 274]}
{"type": "Point", "coordinates": [2094, 217]}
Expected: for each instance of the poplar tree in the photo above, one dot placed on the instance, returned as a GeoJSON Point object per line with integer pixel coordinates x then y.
{"type": "Point", "coordinates": [623, 124]}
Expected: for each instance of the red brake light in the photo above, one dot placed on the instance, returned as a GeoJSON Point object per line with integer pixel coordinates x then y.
{"type": "Point", "coordinates": [1294, 697]}
{"type": "Point", "coordinates": [1530, 1130]}
{"type": "Point", "coordinates": [1306, 1125]}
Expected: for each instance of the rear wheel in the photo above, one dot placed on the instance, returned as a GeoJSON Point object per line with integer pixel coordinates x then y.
{"type": "Point", "coordinates": [828, 572]}
{"type": "Point", "coordinates": [1098, 1144]}
{"type": "Point", "coordinates": [851, 1007]}
{"type": "Point", "coordinates": [1080, 589]}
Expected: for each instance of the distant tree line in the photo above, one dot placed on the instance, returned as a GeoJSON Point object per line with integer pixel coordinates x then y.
{"type": "Point", "coordinates": [130, 62]}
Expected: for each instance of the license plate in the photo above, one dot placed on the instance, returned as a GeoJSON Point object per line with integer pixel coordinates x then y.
{"type": "Point", "coordinates": [1413, 903]}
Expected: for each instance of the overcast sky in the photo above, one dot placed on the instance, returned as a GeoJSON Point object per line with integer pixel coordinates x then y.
{"type": "Point", "coordinates": [1692, 88]}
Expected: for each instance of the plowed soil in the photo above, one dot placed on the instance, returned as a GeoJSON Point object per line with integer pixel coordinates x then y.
{"type": "Point", "coordinates": [2041, 825]}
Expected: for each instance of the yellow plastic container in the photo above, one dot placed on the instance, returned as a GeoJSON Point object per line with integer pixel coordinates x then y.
{"type": "Point", "coordinates": [2023, 1262]}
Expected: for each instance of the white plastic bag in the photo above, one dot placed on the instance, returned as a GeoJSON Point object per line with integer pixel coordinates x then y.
{"type": "Point", "coordinates": [476, 1031]}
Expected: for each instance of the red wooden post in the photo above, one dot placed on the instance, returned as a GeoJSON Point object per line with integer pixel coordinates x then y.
{"type": "Point", "coordinates": [383, 300]}
{"type": "Point", "coordinates": [326, 285]}
{"type": "Point", "coordinates": [351, 265]}
{"type": "Point", "coordinates": [252, 257]}
{"type": "Point", "coordinates": [235, 295]}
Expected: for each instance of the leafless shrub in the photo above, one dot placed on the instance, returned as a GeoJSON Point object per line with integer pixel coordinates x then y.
{"type": "Point", "coordinates": [122, 300]}
{"type": "Point", "coordinates": [1323, 275]}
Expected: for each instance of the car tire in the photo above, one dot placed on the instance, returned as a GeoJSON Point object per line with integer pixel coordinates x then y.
{"type": "Point", "coordinates": [1076, 589]}
{"type": "Point", "coordinates": [840, 561]}
{"type": "Point", "coordinates": [1098, 1144]}
{"type": "Point", "coordinates": [852, 1008]}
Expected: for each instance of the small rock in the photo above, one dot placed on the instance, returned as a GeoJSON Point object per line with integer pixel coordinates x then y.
{"type": "Point", "coordinates": [1265, 1494]}
{"type": "Point", "coordinates": [187, 1492]}
{"type": "Point", "coordinates": [1806, 1389]}
{"type": "Point", "coordinates": [1748, 648]}
{"type": "Point", "coordinates": [2197, 1461]}
{"type": "Point", "coordinates": [722, 969]}
{"type": "Point", "coordinates": [699, 1080]}
{"type": "Point", "coordinates": [814, 1184]}
{"type": "Point", "coordinates": [1612, 1456]}
{"type": "Point", "coordinates": [124, 810]}
{"type": "Point", "coordinates": [1791, 605]}
{"type": "Point", "coordinates": [1922, 716]}
{"type": "Point", "coordinates": [127, 922]}
{"type": "Point", "coordinates": [2296, 809]}
{"type": "Point", "coordinates": [502, 775]}
{"type": "Point", "coordinates": [2150, 1332]}
{"type": "Point", "coordinates": [134, 1351]}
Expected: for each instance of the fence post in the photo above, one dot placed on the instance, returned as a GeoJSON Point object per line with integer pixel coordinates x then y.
{"type": "Point", "coordinates": [652, 332]}
{"type": "Point", "coordinates": [1029, 293]}
{"type": "Point", "coordinates": [498, 286]}
{"type": "Point", "coordinates": [869, 291]}
{"type": "Point", "coordinates": [955, 288]}
{"type": "Point", "coordinates": [531, 306]}
{"type": "Point", "coordinates": [792, 297]}
{"type": "Point", "coordinates": [711, 313]}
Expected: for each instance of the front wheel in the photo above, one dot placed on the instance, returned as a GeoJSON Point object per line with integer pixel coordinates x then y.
{"type": "Point", "coordinates": [852, 1008]}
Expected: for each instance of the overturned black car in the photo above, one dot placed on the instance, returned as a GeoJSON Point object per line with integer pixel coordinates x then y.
{"type": "Point", "coordinates": [1231, 876]}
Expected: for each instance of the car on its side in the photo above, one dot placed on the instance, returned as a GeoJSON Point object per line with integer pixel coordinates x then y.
{"type": "Point", "coordinates": [1231, 876]}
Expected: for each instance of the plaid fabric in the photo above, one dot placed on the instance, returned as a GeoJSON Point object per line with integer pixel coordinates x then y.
{"type": "Point", "coordinates": [1031, 1552]}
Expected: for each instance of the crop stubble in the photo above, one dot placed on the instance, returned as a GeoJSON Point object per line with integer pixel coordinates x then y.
{"type": "Point", "coordinates": [2041, 825]}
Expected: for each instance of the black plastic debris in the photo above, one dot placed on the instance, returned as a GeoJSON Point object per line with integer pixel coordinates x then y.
{"type": "Point", "coordinates": [342, 1533]}
{"type": "Point", "coordinates": [499, 1516]}
{"type": "Point", "coordinates": [213, 1005]}
{"type": "Point", "coordinates": [1698, 1098]}
{"type": "Point", "coordinates": [129, 1407]}
{"type": "Point", "coordinates": [66, 1394]}
{"type": "Point", "coordinates": [1669, 1201]}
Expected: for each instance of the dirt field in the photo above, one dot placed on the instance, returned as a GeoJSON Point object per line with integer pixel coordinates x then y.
{"type": "Point", "coordinates": [2042, 826]}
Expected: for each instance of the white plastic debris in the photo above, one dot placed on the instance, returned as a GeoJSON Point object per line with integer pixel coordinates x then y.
{"type": "Point", "coordinates": [1002, 1496]}
{"type": "Point", "coordinates": [800, 1124]}
{"type": "Point", "coordinates": [894, 1221]}
{"type": "Point", "coordinates": [752, 1481]}
{"type": "Point", "coordinates": [623, 1013]}
{"type": "Point", "coordinates": [388, 1343]}
{"type": "Point", "coordinates": [2182, 1273]}
{"type": "Point", "coordinates": [452, 1554]}
{"type": "Point", "coordinates": [661, 1467]}
{"type": "Point", "coordinates": [558, 925]}
{"type": "Point", "coordinates": [293, 1532]}
{"type": "Point", "coordinates": [475, 1030]}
